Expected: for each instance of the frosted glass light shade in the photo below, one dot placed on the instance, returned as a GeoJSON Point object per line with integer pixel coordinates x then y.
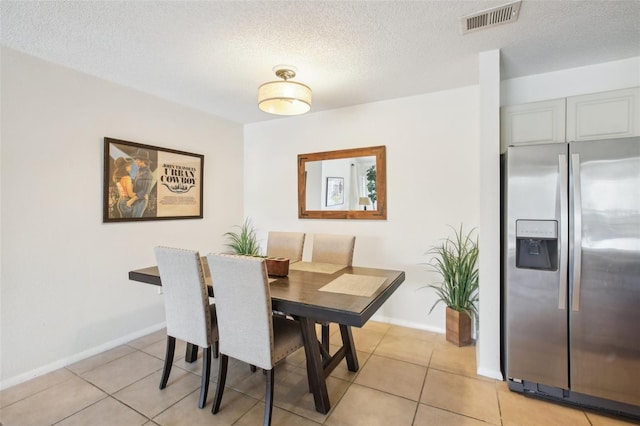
{"type": "Point", "coordinates": [284, 98]}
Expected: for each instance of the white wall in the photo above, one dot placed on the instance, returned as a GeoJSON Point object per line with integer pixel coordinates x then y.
{"type": "Point", "coordinates": [488, 339]}
{"type": "Point", "coordinates": [65, 292]}
{"type": "Point", "coordinates": [432, 181]}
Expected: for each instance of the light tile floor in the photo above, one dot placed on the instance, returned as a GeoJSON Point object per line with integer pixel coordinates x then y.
{"type": "Point", "coordinates": [406, 377]}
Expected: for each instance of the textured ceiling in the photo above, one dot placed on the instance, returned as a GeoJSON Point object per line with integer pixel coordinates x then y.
{"type": "Point", "coordinates": [213, 55]}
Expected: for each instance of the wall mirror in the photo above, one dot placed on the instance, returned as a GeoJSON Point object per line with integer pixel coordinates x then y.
{"type": "Point", "coordinates": [344, 184]}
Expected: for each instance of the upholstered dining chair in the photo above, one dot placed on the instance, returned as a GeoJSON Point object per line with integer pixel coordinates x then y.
{"type": "Point", "coordinates": [285, 244]}
{"type": "Point", "coordinates": [336, 249]}
{"type": "Point", "coordinates": [248, 329]}
{"type": "Point", "coordinates": [189, 315]}
{"type": "Point", "coordinates": [331, 248]}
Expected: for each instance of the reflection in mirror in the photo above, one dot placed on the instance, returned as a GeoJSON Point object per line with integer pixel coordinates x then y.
{"type": "Point", "coordinates": [341, 184]}
{"type": "Point", "coordinates": [345, 184]}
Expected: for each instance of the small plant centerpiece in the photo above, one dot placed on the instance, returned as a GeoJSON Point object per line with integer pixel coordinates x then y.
{"type": "Point", "coordinates": [455, 260]}
{"type": "Point", "coordinates": [246, 243]}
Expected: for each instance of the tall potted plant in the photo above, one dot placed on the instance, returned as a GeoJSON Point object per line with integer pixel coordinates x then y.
{"type": "Point", "coordinates": [455, 260]}
{"type": "Point", "coordinates": [371, 185]}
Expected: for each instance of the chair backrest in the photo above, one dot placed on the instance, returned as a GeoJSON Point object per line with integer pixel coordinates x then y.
{"type": "Point", "coordinates": [186, 299]}
{"type": "Point", "coordinates": [286, 244]}
{"type": "Point", "coordinates": [336, 249]}
{"type": "Point", "coordinates": [243, 308]}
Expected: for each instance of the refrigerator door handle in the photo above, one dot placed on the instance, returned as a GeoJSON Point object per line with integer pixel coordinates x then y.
{"type": "Point", "coordinates": [564, 216]}
{"type": "Point", "coordinates": [577, 231]}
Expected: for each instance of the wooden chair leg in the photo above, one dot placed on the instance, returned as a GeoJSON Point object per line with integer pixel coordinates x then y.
{"type": "Point", "coordinates": [206, 373]}
{"type": "Point", "coordinates": [222, 378]}
{"type": "Point", "coordinates": [168, 361]}
{"type": "Point", "coordinates": [191, 354]}
{"type": "Point", "coordinates": [268, 402]}
{"type": "Point", "coordinates": [216, 349]}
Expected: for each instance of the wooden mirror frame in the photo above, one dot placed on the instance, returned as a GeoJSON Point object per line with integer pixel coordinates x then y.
{"type": "Point", "coordinates": [379, 152]}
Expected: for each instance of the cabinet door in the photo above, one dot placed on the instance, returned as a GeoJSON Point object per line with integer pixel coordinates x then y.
{"type": "Point", "coordinates": [604, 115]}
{"type": "Point", "coordinates": [532, 123]}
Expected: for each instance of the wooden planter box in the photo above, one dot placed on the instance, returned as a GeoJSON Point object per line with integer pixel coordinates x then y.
{"type": "Point", "coordinates": [277, 266]}
{"type": "Point", "coordinates": [458, 327]}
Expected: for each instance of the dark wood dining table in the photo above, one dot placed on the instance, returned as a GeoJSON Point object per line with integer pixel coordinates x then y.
{"type": "Point", "coordinates": [299, 295]}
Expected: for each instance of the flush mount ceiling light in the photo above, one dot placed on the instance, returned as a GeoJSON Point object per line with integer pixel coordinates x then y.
{"type": "Point", "coordinates": [284, 97]}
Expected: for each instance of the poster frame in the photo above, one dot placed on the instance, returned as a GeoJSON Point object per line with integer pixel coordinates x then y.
{"type": "Point", "coordinates": [180, 192]}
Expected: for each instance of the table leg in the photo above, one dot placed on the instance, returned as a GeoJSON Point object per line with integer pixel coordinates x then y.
{"type": "Point", "coordinates": [192, 353]}
{"type": "Point", "coordinates": [350, 348]}
{"type": "Point", "coordinates": [315, 371]}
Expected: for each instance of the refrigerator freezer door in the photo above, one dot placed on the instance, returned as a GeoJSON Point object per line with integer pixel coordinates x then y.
{"type": "Point", "coordinates": [536, 306]}
{"type": "Point", "coordinates": [605, 312]}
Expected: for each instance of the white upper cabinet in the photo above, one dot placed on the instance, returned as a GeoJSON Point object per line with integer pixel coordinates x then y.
{"type": "Point", "coordinates": [537, 122]}
{"type": "Point", "coordinates": [605, 115]}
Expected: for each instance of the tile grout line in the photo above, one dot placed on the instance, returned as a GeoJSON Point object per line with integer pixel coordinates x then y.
{"type": "Point", "coordinates": [111, 395]}
{"type": "Point", "coordinates": [82, 409]}
{"type": "Point", "coordinates": [36, 393]}
{"type": "Point", "coordinates": [424, 383]}
{"type": "Point", "coordinates": [499, 404]}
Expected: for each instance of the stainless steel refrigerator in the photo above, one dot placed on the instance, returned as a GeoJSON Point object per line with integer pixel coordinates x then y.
{"type": "Point", "coordinates": [572, 273]}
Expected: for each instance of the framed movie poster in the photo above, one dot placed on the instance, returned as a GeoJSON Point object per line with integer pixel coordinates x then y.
{"type": "Point", "coordinates": [144, 182]}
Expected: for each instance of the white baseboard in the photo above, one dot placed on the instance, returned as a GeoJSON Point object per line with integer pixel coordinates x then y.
{"type": "Point", "coordinates": [490, 373]}
{"type": "Point", "coordinates": [40, 371]}
{"type": "Point", "coordinates": [408, 324]}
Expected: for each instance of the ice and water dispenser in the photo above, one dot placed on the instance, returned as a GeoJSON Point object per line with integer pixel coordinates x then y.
{"type": "Point", "coordinates": [537, 244]}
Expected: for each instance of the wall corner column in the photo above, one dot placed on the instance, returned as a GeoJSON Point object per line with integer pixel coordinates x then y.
{"type": "Point", "coordinates": [488, 343]}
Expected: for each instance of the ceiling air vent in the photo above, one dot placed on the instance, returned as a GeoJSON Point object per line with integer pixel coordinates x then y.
{"type": "Point", "coordinates": [491, 17]}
